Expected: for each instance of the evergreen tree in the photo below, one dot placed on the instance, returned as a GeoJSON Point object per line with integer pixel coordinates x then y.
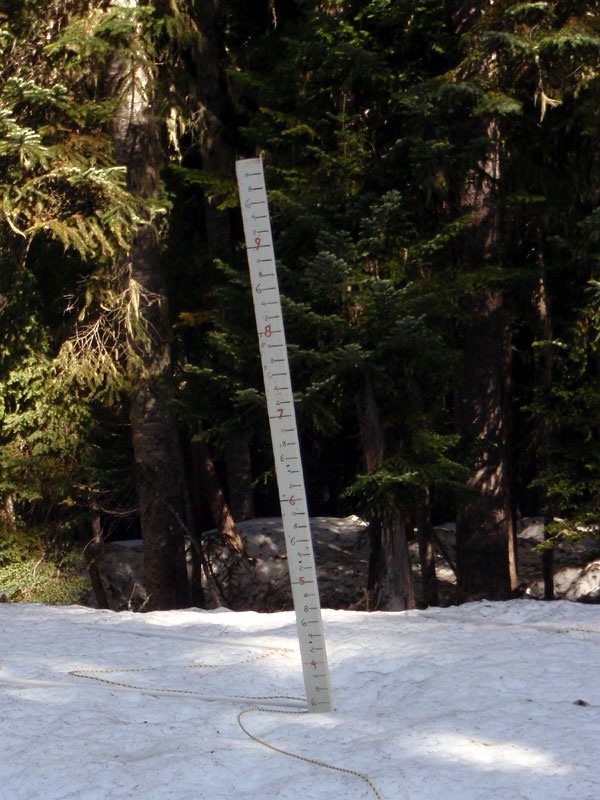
{"type": "Point", "coordinates": [63, 203]}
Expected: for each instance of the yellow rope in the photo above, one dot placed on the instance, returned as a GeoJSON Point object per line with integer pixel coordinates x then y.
{"type": "Point", "coordinates": [308, 760]}
{"type": "Point", "coordinates": [95, 675]}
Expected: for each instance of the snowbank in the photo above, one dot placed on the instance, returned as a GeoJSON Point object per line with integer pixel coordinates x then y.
{"type": "Point", "coordinates": [466, 703]}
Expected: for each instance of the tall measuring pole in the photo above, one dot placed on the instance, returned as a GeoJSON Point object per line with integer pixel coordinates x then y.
{"type": "Point", "coordinates": [284, 432]}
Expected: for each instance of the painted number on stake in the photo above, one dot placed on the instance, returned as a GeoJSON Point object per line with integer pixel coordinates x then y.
{"type": "Point", "coordinates": [257, 242]}
{"type": "Point", "coordinates": [268, 331]}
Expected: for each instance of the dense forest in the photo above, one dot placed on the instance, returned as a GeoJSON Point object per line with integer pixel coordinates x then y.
{"type": "Point", "coordinates": [433, 171]}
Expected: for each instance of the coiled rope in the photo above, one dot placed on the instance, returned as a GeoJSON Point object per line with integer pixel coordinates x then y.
{"type": "Point", "coordinates": [97, 675]}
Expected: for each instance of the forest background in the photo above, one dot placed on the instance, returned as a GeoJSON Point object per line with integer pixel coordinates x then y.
{"type": "Point", "coordinates": [433, 175]}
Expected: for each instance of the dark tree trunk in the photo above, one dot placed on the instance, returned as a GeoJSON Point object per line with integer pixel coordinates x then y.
{"type": "Point", "coordinates": [195, 555]}
{"type": "Point", "coordinates": [426, 551]}
{"type": "Point", "coordinates": [390, 583]}
{"type": "Point", "coordinates": [485, 538]}
{"type": "Point", "coordinates": [548, 571]}
{"type": "Point", "coordinates": [92, 550]}
{"type": "Point", "coordinates": [218, 158]}
{"type": "Point", "coordinates": [390, 578]}
{"type": "Point", "coordinates": [159, 489]}
{"type": "Point", "coordinates": [239, 478]}
{"type": "Point", "coordinates": [216, 151]}
{"type": "Point", "coordinates": [204, 468]}
{"type": "Point", "coordinates": [543, 380]}
{"type": "Point", "coordinates": [485, 533]}
{"type": "Point", "coordinates": [159, 470]}
{"type": "Point", "coordinates": [485, 556]}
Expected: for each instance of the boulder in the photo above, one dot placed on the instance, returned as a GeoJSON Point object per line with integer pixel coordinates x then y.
{"type": "Point", "coordinates": [341, 547]}
{"type": "Point", "coordinates": [261, 581]}
{"type": "Point", "coordinates": [581, 584]}
{"type": "Point", "coordinates": [121, 569]}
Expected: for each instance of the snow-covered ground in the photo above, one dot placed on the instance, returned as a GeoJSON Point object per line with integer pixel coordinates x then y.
{"type": "Point", "coordinates": [476, 702]}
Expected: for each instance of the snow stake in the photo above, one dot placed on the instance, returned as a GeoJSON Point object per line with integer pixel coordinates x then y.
{"type": "Point", "coordinates": [284, 431]}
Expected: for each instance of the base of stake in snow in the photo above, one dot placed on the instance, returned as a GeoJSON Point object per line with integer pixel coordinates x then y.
{"type": "Point", "coordinates": [284, 431]}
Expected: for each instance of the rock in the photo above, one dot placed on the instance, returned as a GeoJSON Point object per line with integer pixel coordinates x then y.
{"type": "Point", "coordinates": [121, 568]}
{"type": "Point", "coordinates": [531, 530]}
{"type": "Point", "coordinates": [341, 547]}
{"type": "Point", "coordinates": [585, 586]}
{"type": "Point", "coordinates": [261, 583]}
{"type": "Point", "coordinates": [581, 584]}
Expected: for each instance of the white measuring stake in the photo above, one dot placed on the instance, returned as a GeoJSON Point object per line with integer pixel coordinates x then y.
{"type": "Point", "coordinates": [284, 432]}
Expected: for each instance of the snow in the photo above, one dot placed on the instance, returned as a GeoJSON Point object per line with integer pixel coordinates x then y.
{"type": "Point", "coordinates": [481, 701]}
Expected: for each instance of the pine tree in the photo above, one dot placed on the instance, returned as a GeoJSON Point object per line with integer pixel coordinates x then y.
{"type": "Point", "coordinates": [66, 214]}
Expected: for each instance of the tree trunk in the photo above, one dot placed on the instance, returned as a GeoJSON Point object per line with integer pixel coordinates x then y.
{"type": "Point", "coordinates": [390, 583]}
{"type": "Point", "coordinates": [92, 551]}
{"type": "Point", "coordinates": [159, 471]}
{"type": "Point", "coordinates": [8, 517]}
{"type": "Point", "coordinates": [239, 478]}
{"type": "Point", "coordinates": [543, 380]}
{"type": "Point", "coordinates": [204, 467]}
{"type": "Point", "coordinates": [485, 556]}
{"type": "Point", "coordinates": [485, 537]}
{"type": "Point", "coordinates": [485, 532]}
{"type": "Point", "coordinates": [218, 158]}
{"type": "Point", "coordinates": [426, 551]}
{"type": "Point", "coordinates": [216, 151]}
{"type": "Point", "coordinates": [194, 554]}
